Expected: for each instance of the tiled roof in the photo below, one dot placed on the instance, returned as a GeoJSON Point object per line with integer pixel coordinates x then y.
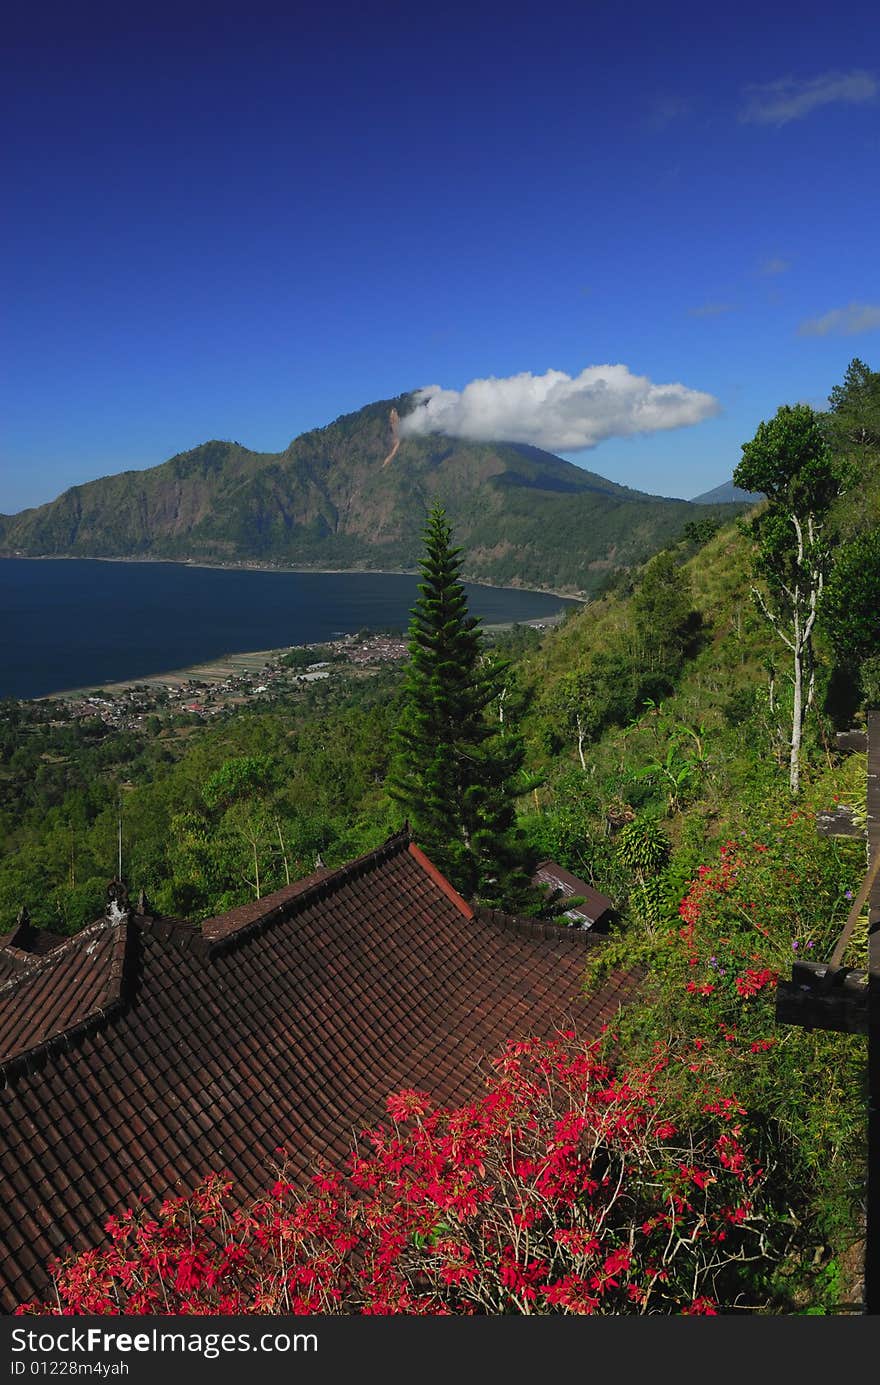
{"type": "Point", "coordinates": [21, 945]}
{"type": "Point", "coordinates": [52, 994]}
{"type": "Point", "coordinates": [288, 1026]}
{"type": "Point", "coordinates": [12, 961]}
{"type": "Point", "coordinates": [595, 906]}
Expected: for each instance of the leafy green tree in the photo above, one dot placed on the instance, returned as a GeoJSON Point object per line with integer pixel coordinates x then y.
{"type": "Point", "coordinates": [240, 788]}
{"type": "Point", "coordinates": [575, 704]}
{"type": "Point", "coordinates": [455, 764]}
{"type": "Point", "coordinates": [662, 607]}
{"type": "Point", "coordinates": [644, 847]}
{"type": "Point", "coordinates": [246, 776]}
{"type": "Point", "coordinates": [699, 532]}
{"type": "Point", "coordinates": [197, 873]}
{"type": "Point", "coordinates": [790, 461]}
{"type": "Point", "coordinates": [850, 613]}
{"type": "Point", "coordinates": [675, 772]}
{"type": "Point", "coordinates": [854, 417]}
{"type": "Point", "coordinates": [851, 604]}
{"type": "Point", "coordinates": [587, 700]}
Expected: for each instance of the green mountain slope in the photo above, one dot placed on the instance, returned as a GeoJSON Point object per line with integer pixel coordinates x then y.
{"type": "Point", "coordinates": [344, 496]}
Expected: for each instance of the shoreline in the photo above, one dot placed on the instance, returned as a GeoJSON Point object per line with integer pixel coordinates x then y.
{"type": "Point", "coordinates": [227, 665]}
{"type": "Point", "coordinates": [211, 670]}
{"type": "Point", "coordinates": [244, 566]}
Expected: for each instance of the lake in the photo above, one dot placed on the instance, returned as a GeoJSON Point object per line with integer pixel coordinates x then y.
{"type": "Point", "coordinates": [76, 623]}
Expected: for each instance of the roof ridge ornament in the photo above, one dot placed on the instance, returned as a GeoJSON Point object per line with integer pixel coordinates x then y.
{"type": "Point", "coordinates": [118, 903]}
{"type": "Point", "coordinates": [24, 929]}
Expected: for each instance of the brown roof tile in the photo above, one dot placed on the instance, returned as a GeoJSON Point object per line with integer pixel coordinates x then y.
{"type": "Point", "coordinates": [223, 925]}
{"type": "Point", "coordinates": [23, 946]}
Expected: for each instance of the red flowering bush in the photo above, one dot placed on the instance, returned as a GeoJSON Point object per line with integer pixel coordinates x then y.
{"type": "Point", "coordinates": [723, 935]}
{"type": "Point", "coordinates": [565, 1188]}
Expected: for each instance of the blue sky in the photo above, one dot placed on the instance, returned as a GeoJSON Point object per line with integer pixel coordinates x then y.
{"type": "Point", "coordinates": [236, 222]}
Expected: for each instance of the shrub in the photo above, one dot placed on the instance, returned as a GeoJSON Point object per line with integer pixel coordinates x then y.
{"type": "Point", "coordinates": [643, 846]}
{"type": "Point", "coordinates": [565, 1188]}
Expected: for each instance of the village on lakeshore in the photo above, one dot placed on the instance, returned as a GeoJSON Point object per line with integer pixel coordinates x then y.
{"type": "Point", "coordinates": [238, 680]}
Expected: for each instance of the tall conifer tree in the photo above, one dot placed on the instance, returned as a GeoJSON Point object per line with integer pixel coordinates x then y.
{"type": "Point", "coordinates": [453, 768]}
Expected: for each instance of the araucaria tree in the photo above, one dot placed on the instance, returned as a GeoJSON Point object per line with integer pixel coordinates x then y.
{"type": "Point", "coordinates": [790, 461]}
{"type": "Point", "coordinates": [453, 766]}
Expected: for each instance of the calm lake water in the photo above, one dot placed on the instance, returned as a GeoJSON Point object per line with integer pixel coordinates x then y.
{"type": "Point", "coordinates": [76, 623]}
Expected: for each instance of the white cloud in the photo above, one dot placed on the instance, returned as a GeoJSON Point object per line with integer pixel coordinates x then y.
{"type": "Point", "coordinates": [710, 310]}
{"type": "Point", "coordinates": [777, 103]}
{"type": "Point", "coordinates": [557, 411]}
{"type": "Point", "coordinates": [843, 322]}
{"type": "Point", "coordinates": [665, 111]}
{"type": "Point", "coordinates": [775, 265]}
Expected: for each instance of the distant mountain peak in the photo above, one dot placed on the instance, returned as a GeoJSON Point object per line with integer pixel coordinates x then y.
{"type": "Point", "coordinates": [727, 494]}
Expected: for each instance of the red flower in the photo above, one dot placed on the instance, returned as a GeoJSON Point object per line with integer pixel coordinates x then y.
{"type": "Point", "coordinates": [754, 981]}
{"type": "Point", "coordinates": [702, 1305]}
{"type": "Point", "coordinates": [407, 1105]}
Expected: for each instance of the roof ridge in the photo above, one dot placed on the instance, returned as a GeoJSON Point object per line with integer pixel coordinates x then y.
{"type": "Point", "coordinates": [111, 997]}
{"type": "Point", "coordinates": [185, 936]}
{"type": "Point", "coordinates": [537, 929]}
{"type": "Point", "coordinates": [439, 879]}
{"type": "Point", "coordinates": [319, 889]}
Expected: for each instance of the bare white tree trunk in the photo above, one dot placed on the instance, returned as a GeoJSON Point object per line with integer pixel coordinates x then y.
{"type": "Point", "coordinates": [283, 851]}
{"type": "Point", "coordinates": [249, 831]}
{"type": "Point", "coordinates": [581, 738]}
{"type": "Point", "coordinates": [803, 602]}
{"type": "Point", "coordinates": [797, 724]}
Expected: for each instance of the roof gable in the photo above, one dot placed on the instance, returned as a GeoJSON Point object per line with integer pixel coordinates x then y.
{"type": "Point", "coordinates": [51, 995]}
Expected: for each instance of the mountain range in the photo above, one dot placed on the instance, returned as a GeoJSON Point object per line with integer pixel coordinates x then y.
{"type": "Point", "coordinates": [354, 495]}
